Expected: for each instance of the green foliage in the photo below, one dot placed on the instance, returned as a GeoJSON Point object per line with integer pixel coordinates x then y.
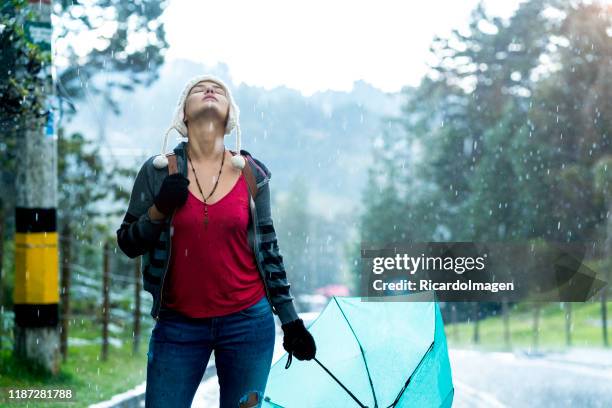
{"type": "Point", "coordinates": [8, 273]}
{"type": "Point", "coordinates": [508, 135]}
{"type": "Point", "coordinates": [90, 188]}
{"type": "Point", "coordinates": [84, 183]}
{"type": "Point", "coordinates": [114, 52]}
{"type": "Point", "coordinates": [504, 154]}
{"type": "Point", "coordinates": [21, 62]}
{"type": "Point", "coordinates": [92, 379]}
{"type": "Point", "coordinates": [90, 196]}
{"type": "Point", "coordinates": [602, 173]}
{"type": "Point", "coordinates": [309, 243]}
{"type": "Point", "coordinates": [81, 182]}
{"type": "Point", "coordinates": [586, 328]}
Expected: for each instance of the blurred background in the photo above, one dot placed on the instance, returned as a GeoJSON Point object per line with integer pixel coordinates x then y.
{"type": "Point", "coordinates": [437, 121]}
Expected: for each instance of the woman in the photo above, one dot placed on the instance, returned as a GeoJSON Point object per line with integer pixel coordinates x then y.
{"type": "Point", "coordinates": [201, 219]}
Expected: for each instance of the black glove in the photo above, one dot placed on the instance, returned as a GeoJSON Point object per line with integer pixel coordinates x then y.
{"type": "Point", "coordinates": [172, 194]}
{"type": "Point", "coordinates": [298, 341]}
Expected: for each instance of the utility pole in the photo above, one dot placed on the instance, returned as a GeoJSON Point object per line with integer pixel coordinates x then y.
{"type": "Point", "coordinates": [36, 293]}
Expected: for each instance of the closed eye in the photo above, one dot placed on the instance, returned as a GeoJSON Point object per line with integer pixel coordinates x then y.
{"type": "Point", "coordinates": [219, 90]}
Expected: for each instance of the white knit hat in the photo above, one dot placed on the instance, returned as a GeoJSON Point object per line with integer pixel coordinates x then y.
{"type": "Point", "coordinates": [178, 124]}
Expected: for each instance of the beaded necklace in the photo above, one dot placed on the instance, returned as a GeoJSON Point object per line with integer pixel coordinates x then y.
{"type": "Point", "coordinates": [200, 188]}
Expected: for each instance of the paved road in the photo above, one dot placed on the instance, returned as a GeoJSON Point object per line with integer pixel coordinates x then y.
{"type": "Point", "coordinates": [580, 378]}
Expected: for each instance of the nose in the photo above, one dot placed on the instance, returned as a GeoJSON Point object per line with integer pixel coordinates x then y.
{"type": "Point", "coordinates": [210, 89]}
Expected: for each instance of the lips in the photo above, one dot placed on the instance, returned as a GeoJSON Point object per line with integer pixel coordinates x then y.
{"type": "Point", "coordinates": [210, 97]}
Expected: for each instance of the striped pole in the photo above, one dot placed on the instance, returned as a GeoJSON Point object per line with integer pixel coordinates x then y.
{"type": "Point", "coordinates": [36, 293]}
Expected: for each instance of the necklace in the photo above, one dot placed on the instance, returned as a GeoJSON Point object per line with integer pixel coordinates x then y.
{"type": "Point", "coordinates": [200, 188]}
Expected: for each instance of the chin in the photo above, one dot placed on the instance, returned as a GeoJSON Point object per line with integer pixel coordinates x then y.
{"type": "Point", "coordinates": [209, 112]}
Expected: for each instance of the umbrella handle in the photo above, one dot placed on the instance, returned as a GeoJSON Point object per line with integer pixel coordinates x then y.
{"type": "Point", "coordinates": [289, 359]}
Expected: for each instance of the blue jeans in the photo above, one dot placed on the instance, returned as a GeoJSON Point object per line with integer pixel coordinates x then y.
{"type": "Point", "coordinates": [180, 347]}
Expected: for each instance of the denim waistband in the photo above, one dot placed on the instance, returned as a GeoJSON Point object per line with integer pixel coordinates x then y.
{"type": "Point", "coordinates": [166, 313]}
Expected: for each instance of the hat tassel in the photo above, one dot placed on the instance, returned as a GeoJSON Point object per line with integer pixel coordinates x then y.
{"type": "Point", "coordinates": [237, 160]}
{"type": "Point", "coordinates": [160, 161]}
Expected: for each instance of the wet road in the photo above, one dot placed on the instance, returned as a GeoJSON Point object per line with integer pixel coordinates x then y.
{"type": "Point", "coordinates": [578, 378]}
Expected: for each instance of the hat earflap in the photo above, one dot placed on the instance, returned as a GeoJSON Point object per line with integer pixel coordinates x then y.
{"type": "Point", "coordinates": [237, 160]}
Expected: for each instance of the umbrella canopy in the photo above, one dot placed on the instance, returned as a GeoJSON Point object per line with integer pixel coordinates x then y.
{"type": "Point", "coordinates": [369, 354]}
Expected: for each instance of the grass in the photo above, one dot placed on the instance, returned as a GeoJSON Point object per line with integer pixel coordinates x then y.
{"type": "Point", "coordinates": [92, 379]}
{"type": "Point", "coordinates": [586, 328]}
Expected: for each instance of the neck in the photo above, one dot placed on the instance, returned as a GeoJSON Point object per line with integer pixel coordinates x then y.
{"type": "Point", "coordinates": [206, 141]}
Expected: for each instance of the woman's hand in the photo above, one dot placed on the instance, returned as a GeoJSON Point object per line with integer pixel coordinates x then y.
{"type": "Point", "coordinates": [172, 193]}
{"type": "Point", "coordinates": [298, 341]}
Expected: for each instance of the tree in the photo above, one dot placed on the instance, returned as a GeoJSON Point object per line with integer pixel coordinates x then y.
{"type": "Point", "coordinates": [86, 192]}
{"type": "Point", "coordinates": [129, 40]}
{"type": "Point", "coordinates": [81, 180]}
{"type": "Point", "coordinates": [506, 143]}
{"type": "Point", "coordinates": [603, 185]}
{"type": "Point", "coordinates": [130, 55]}
{"type": "Point", "coordinates": [21, 64]}
{"type": "Point", "coordinates": [127, 46]}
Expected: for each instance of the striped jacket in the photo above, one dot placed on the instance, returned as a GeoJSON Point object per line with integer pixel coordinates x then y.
{"type": "Point", "coordinates": [140, 235]}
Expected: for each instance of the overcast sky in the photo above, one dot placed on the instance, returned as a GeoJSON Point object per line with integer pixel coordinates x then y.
{"type": "Point", "coordinates": [317, 45]}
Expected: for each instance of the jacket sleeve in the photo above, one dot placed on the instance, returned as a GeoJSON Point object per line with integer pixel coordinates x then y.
{"type": "Point", "coordinates": [272, 261]}
{"type": "Point", "coordinates": [138, 232]}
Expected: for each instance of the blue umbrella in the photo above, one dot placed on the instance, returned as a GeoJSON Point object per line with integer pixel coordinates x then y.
{"type": "Point", "coordinates": [369, 354]}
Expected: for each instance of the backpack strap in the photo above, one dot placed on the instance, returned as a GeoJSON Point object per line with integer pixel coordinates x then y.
{"type": "Point", "coordinates": [172, 166]}
{"type": "Point", "coordinates": [250, 178]}
{"type": "Point", "coordinates": [248, 175]}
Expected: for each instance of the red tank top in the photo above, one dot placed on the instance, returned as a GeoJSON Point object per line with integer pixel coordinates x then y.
{"type": "Point", "coordinates": [212, 270]}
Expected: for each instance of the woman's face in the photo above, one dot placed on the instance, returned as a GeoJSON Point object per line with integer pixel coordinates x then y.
{"type": "Point", "coordinates": [207, 99]}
